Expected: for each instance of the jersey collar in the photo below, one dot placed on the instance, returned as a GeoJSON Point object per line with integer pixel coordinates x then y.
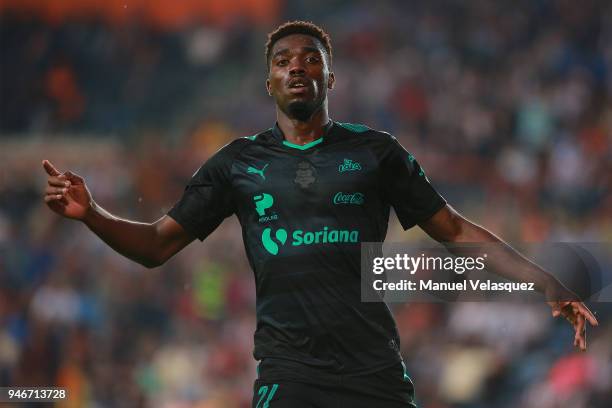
{"type": "Point", "coordinates": [278, 136]}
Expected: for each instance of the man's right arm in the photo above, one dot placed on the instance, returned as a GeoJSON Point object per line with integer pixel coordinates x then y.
{"type": "Point", "coordinates": [148, 244]}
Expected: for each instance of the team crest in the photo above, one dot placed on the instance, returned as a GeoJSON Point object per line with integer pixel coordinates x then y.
{"type": "Point", "coordinates": [305, 174]}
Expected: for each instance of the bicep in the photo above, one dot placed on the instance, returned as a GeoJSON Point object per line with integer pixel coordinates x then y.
{"type": "Point", "coordinates": [171, 237]}
{"type": "Point", "coordinates": [445, 225]}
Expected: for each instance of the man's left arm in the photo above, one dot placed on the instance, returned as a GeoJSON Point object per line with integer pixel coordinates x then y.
{"type": "Point", "coordinates": [447, 226]}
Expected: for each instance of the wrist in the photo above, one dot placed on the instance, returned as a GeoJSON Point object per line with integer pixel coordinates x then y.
{"type": "Point", "coordinates": [556, 291]}
{"type": "Point", "coordinates": [90, 213]}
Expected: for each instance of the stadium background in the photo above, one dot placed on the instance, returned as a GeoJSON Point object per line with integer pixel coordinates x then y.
{"type": "Point", "coordinates": [506, 104]}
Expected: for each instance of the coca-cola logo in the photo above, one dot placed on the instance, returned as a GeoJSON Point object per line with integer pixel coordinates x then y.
{"type": "Point", "coordinates": [349, 198]}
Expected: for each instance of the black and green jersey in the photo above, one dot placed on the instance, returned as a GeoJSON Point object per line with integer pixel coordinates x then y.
{"type": "Point", "coordinates": [304, 210]}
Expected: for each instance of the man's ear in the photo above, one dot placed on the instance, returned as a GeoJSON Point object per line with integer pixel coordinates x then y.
{"type": "Point", "coordinates": [331, 81]}
{"type": "Point", "coordinates": [268, 87]}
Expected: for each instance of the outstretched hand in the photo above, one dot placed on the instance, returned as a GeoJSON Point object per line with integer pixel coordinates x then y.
{"type": "Point", "coordinates": [66, 193]}
{"type": "Point", "coordinates": [577, 314]}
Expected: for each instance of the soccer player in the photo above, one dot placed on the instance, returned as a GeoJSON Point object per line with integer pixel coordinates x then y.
{"type": "Point", "coordinates": [306, 193]}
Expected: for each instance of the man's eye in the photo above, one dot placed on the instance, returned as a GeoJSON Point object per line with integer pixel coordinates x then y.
{"type": "Point", "coordinates": [282, 63]}
{"type": "Point", "coordinates": [312, 60]}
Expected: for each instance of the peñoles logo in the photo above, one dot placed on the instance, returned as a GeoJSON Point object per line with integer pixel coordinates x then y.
{"type": "Point", "coordinates": [348, 198]}
{"type": "Point", "coordinates": [263, 202]}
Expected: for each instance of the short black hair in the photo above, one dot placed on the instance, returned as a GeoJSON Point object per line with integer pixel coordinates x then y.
{"type": "Point", "coordinates": [298, 27]}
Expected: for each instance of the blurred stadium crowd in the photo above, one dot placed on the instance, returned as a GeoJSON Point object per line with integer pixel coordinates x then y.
{"type": "Point", "coordinates": [508, 106]}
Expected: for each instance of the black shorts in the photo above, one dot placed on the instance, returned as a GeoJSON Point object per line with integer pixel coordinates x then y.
{"type": "Point", "coordinates": [279, 387]}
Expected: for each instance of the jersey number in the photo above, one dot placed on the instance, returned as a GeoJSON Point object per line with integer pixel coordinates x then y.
{"type": "Point", "coordinates": [263, 390]}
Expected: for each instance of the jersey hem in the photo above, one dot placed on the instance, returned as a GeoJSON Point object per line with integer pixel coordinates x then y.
{"type": "Point", "coordinates": [284, 362]}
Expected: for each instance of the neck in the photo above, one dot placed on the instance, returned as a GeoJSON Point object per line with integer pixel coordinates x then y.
{"type": "Point", "coordinates": [303, 132]}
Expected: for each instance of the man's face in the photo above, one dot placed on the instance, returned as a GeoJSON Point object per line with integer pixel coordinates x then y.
{"type": "Point", "coordinates": [299, 75]}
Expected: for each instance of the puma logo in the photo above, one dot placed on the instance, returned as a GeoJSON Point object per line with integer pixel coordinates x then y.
{"type": "Point", "coordinates": [255, 170]}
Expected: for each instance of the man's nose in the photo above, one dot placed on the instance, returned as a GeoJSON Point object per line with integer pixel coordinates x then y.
{"type": "Point", "coordinates": [296, 68]}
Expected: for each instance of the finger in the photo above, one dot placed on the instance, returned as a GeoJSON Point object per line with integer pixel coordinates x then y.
{"type": "Point", "coordinates": [557, 308]}
{"type": "Point", "coordinates": [59, 181]}
{"type": "Point", "coordinates": [570, 316]}
{"type": "Point", "coordinates": [578, 322]}
{"type": "Point", "coordinates": [584, 311]}
{"type": "Point", "coordinates": [56, 190]}
{"type": "Point", "coordinates": [576, 342]}
{"type": "Point", "coordinates": [50, 169]}
{"type": "Point", "coordinates": [73, 178]}
{"type": "Point", "coordinates": [576, 336]}
{"type": "Point", "coordinates": [52, 197]}
{"type": "Point", "coordinates": [580, 336]}
{"type": "Point", "coordinates": [556, 311]}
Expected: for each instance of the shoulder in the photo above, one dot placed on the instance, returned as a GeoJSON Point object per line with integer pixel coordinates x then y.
{"type": "Point", "coordinates": [363, 131]}
{"type": "Point", "coordinates": [357, 128]}
{"type": "Point", "coordinates": [256, 138]}
{"type": "Point", "coordinates": [375, 139]}
{"type": "Point", "coordinates": [223, 159]}
{"type": "Point", "coordinates": [236, 146]}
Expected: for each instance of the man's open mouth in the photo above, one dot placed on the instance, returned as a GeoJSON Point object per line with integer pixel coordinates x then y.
{"type": "Point", "coordinates": [298, 84]}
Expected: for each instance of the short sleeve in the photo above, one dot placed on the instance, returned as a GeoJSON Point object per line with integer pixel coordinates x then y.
{"type": "Point", "coordinates": [207, 199]}
{"type": "Point", "coordinates": [406, 187]}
